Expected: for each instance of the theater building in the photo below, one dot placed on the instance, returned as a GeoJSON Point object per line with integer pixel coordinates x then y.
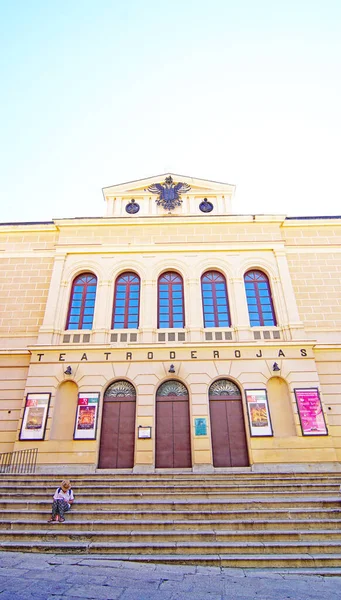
{"type": "Point", "coordinates": [172, 334]}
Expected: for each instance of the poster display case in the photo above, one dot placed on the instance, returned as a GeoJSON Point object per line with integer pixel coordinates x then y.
{"type": "Point", "coordinates": [258, 413]}
{"type": "Point", "coordinates": [33, 425]}
{"type": "Point", "coordinates": [86, 416]}
{"type": "Point", "coordinates": [310, 411]}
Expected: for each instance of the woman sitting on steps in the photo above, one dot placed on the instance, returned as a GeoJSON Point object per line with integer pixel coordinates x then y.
{"type": "Point", "coordinates": [62, 501]}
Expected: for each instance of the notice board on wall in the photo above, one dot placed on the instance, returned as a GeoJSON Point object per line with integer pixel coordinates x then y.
{"type": "Point", "coordinates": [310, 411]}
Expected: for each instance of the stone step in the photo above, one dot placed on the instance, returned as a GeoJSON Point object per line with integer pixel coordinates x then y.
{"type": "Point", "coordinates": [177, 548]}
{"type": "Point", "coordinates": [299, 564]}
{"type": "Point", "coordinates": [182, 474]}
{"type": "Point", "coordinates": [259, 561]}
{"type": "Point", "coordinates": [164, 485]}
{"type": "Point", "coordinates": [287, 515]}
{"type": "Point", "coordinates": [61, 532]}
{"type": "Point", "coordinates": [81, 522]}
{"type": "Point", "coordinates": [170, 495]}
{"type": "Point", "coordinates": [157, 484]}
{"type": "Point", "coordinates": [178, 491]}
{"type": "Point", "coordinates": [175, 504]}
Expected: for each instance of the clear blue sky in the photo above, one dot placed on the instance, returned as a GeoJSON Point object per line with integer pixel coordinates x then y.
{"type": "Point", "coordinates": [100, 92]}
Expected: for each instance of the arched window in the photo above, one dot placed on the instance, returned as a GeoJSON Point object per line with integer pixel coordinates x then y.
{"type": "Point", "coordinates": [82, 302]}
{"type": "Point", "coordinates": [126, 302]}
{"type": "Point", "coordinates": [259, 301]}
{"type": "Point", "coordinates": [214, 300]}
{"type": "Point", "coordinates": [171, 301]}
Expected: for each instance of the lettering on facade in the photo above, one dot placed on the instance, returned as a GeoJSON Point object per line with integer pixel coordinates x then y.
{"type": "Point", "coordinates": [193, 354]}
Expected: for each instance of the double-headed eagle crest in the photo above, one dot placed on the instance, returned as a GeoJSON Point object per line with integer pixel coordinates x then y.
{"type": "Point", "coordinates": [169, 192]}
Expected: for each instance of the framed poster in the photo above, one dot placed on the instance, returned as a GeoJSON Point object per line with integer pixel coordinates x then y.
{"type": "Point", "coordinates": [86, 416]}
{"type": "Point", "coordinates": [200, 426]}
{"type": "Point", "coordinates": [258, 413]}
{"type": "Point", "coordinates": [310, 411]}
{"type": "Point", "coordinates": [35, 416]}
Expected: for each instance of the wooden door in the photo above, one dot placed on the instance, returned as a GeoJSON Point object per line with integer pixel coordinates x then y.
{"type": "Point", "coordinates": [118, 427]}
{"type": "Point", "coordinates": [229, 445]}
{"type": "Point", "coordinates": [173, 438]}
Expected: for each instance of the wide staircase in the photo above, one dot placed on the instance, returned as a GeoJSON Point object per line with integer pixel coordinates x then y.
{"type": "Point", "coordinates": [231, 520]}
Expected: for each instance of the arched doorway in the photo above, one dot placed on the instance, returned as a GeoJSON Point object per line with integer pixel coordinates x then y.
{"type": "Point", "coordinates": [227, 425]}
{"type": "Point", "coordinates": [118, 427]}
{"type": "Point", "coordinates": [173, 436]}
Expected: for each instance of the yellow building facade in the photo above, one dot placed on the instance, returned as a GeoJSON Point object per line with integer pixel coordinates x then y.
{"type": "Point", "coordinates": [225, 355]}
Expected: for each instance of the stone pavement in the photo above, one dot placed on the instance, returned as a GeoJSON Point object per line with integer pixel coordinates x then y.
{"type": "Point", "coordinates": [67, 577]}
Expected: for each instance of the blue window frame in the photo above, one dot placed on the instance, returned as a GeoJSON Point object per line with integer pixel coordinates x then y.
{"type": "Point", "coordinates": [214, 300]}
{"type": "Point", "coordinates": [126, 302]}
{"type": "Point", "coordinates": [170, 301]}
{"type": "Point", "coordinates": [259, 300]}
{"type": "Point", "coordinates": [82, 302]}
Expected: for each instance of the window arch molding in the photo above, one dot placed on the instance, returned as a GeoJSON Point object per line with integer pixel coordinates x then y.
{"type": "Point", "coordinates": [82, 301]}
{"type": "Point", "coordinates": [260, 298]}
{"type": "Point", "coordinates": [176, 267]}
{"type": "Point", "coordinates": [207, 265]}
{"type": "Point", "coordinates": [125, 266]}
{"type": "Point", "coordinates": [126, 300]}
{"type": "Point", "coordinates": [82, 267]}
{"type": "Point", "coordinates": [265, 266]}
{"type": "Point", "coordinates": [170, 300]}
{"type": "Point", "coordinates": [215, 299]}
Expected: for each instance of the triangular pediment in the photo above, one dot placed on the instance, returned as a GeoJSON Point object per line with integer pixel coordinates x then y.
{"type": "Point", "coordinates": [197, 185]}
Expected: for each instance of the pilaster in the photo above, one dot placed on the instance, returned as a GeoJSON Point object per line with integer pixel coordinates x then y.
{"type": "Point", "coordinates": [148, 310]}
{"type": "Point", "coordinates": [56, 291]}
{"type": "Point", "coordinates": [193, 309]}
{"type": "Point", "coordinates": [242, 320]}
{"type": "Point", "coordinates": [285, 296]}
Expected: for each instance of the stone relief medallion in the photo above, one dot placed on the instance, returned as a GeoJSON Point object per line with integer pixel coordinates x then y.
{"type": "Point", "coordinates": [132, 207]}
{"type": "Point", "coordinates": [206, 206]}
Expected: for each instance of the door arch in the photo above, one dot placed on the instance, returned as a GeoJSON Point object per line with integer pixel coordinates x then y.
{"type": "Point", "coordinates": [118, 427]}
{"type": "Point", "coordinates": [173, 435]}
{"type": "Point", "coordinates": [229, 445]}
